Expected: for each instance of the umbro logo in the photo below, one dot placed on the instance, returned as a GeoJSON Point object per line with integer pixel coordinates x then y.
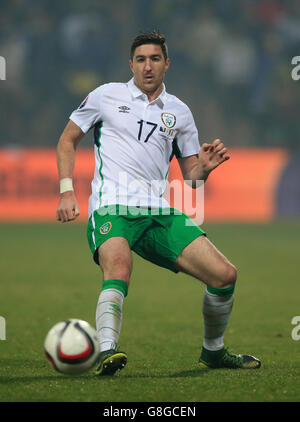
{"type": "Point", "coordinates": [123, 109]}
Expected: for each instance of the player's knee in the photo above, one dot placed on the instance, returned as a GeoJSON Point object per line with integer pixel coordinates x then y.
{"type": "Point", "coordinates": [117, 268]}
{"type": "Point", "coordinates": [229, 276]}
{"type": "Point", "coordinates": [115, 260]}
{"type": "Point", "coordinates": [117, 274]}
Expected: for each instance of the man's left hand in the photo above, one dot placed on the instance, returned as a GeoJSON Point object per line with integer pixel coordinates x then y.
{"type": "Point", "coordinates": [212, 155]}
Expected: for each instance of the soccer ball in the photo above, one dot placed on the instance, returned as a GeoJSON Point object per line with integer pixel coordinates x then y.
{"type": "Point", "coordinates": [72, 346]}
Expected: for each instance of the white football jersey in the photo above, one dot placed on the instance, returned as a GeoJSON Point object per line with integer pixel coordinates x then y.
{"type": "Point", "coordinates": [134, 142]}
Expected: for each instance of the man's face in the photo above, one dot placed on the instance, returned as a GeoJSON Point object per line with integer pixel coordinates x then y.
{"type": "Point", "coordinates": [148, 67]}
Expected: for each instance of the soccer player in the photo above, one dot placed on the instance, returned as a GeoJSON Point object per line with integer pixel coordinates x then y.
{"type": "Point", "coordinates": [138, 127]}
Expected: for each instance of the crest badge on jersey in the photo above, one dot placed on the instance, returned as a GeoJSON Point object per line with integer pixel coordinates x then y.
{"type": "Point", "coordinates": [168, 119]}
{"type": "Point", "coordinates": [105, 228]}
{"type": "Point", "coordinates": [83, 102]}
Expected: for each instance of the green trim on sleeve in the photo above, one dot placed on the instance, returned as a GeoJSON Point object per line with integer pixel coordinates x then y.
{"type": "Point", "coordinates": [176, 150]}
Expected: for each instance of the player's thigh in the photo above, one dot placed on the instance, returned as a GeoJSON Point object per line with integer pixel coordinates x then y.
{"type": "Point", "coordinates": [115, 259]}
{"type": "Point", "coordinates": [201, 259]}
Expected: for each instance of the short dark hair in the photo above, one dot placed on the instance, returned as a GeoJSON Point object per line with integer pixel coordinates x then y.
{"type": "Point", "coordinates": [153, 37]}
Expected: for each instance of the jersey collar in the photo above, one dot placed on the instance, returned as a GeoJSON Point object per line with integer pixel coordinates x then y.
{"type": "Point", "coordinates": [136, 93]}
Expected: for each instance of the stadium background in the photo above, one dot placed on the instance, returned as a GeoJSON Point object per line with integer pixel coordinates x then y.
{"type": "Point", "coordinates": [231, 63]}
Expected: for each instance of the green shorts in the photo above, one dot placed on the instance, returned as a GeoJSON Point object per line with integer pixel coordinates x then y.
{"type": "Point", "coordinates": [158, 238]}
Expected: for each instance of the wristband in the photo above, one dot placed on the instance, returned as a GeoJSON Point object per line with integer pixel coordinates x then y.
{"type": "Point", "coordinates": [66, 184]}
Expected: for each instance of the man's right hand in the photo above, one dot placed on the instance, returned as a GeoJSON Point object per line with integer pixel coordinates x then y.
{"type": "Point", "coordinates": [68, 208]}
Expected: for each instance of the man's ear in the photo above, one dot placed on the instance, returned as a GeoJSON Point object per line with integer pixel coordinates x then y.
{"type": "Point", "coordinates": [131, 65]}
{"type": "Point", "coordinates": [167, 64]}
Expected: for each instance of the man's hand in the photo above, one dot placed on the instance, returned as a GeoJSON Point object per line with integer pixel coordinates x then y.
{"type": "Point", "coordinates": [212, 155]}
{"type": "Point", "coordinates": [198, 166]}
{"type": "Point", "coordinates": [68, 208]}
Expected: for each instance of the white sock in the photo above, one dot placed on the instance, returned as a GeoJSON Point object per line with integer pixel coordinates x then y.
{"type": "Point", "coordinates": [216, 311]}
{"type": "Point", "coordinates": [109, 318]}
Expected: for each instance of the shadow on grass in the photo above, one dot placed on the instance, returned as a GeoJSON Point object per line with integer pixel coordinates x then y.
{"type": "Point", "coordinates": [38, 365]}
{"type": "Point", "coordinates": [195, 373]}
{"type": "Point", "coordinates": [12, 380]}
{"type": "Point", "coordinates": [17, 365]}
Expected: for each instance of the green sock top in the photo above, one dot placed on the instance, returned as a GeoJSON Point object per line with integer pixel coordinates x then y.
{"type": "Point", "coordinates": [227, 291]}
{"type": "Point", "coordinates": [116, 284]}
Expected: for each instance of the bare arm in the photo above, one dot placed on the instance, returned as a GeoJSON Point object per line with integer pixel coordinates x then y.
{"type": "Point", "coordinates": [198, 166]}
{"type": "Point", "coordinates": [67, 209]}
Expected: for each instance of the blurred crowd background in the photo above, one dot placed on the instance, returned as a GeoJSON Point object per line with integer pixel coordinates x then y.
{"type": "Point", "coordinates": [230, 62]}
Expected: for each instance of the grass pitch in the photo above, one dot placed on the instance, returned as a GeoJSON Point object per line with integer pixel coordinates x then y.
{"type": "Point", "coordinates": [47, 275]}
